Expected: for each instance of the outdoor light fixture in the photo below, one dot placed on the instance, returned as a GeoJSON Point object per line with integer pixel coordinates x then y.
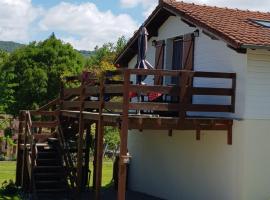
{"type": "Point", "coordinates": [196, 33]}
{"type": "Point", "coordinates": [154, 43]}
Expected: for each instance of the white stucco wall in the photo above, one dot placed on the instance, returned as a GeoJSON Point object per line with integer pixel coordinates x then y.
{"type": "Point", "coordinates": [258, 85]}
{"type": "Point", "coordinates": [179, 167]}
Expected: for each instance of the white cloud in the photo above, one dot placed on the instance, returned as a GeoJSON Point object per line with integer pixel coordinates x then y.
{"type": "Point", "coordinates": [88, 25]}
{"type": "Point", "coordinates": [15, 19]}
{"type": "Point", "coordinates": [134, 3]}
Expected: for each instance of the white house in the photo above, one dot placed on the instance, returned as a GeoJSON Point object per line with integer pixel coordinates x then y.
{"type": "Point", "coordinates": [221, 40]}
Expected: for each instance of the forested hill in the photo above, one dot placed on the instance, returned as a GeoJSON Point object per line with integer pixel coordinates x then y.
{"type": "Point", "coordinates": [11, 46]}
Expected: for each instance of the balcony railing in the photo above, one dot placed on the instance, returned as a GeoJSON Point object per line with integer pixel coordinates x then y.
{"type": "Point", "coordinates": [116, 87]}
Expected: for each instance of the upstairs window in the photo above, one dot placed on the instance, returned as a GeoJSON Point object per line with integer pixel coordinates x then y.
{"type": "Point", "coordinates": [263, 23]}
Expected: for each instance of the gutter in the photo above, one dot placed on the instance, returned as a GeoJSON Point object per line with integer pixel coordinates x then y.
{"type": "Point", "coordinates": [252, 46]}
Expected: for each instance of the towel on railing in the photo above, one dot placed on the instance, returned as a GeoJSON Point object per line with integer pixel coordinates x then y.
{"type": "Point", "coordinates": [154, 95]}
{"type": "Point", "coordinates": [151, 96]}
{"type": "Point", "coordinates": [132, 94]}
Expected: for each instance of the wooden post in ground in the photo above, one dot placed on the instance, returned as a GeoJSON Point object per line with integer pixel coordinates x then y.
{"type": "Point", "coordinates": [95, 156]}
{"type": "Point", "coordinates": [99, 143]}
{"type": "Point", "coordinates": [19, 152]}
{"type": "Point", "coordinates": [25, 152]}
{"type": "Point", "coordinates": [122, 174]}
{"type": "Point", "coordinates": [80, 141]}
{"type": "Point", "coordinates": [87, 152]}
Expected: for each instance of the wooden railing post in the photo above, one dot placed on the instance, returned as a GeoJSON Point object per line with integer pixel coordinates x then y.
{"type": "Point", "coordinates": [122, 174]}
{"type": "Point", "coordinates": [99, 142]}
{"type": "Point", "coordinates": [19, 151]}
{"type": "Point", "coordinates": [24, 175]}
{"type": "Point", "coordinates": [87, 155]}
{"type": "Point", "coordinates": [95, 156]}
{"type": "Point", "coordinates": [234, 92]}
{"type": "Point", "coordinates": [80, 140]}
{"type": "Point", "coordinates": [186, 79]}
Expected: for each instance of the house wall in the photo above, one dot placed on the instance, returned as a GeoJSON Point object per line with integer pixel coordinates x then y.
{"type": "Point", "coordinates": [258, 85]}
{"type": "Point", "coordinates": [179, 167]}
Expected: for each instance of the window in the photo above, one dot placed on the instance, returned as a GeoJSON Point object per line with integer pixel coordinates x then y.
{"type": "Point", "coordinates": [177, 57]}
{"type": "Point", "coordinates": [264, 23]}
{"type": "Point", "coordinates": [177, 54]}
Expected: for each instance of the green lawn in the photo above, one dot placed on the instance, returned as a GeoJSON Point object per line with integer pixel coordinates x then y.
{"type": "Point", "coordinates": [107, 171]}
{"type": "Point", "coordinates": [7, 171]}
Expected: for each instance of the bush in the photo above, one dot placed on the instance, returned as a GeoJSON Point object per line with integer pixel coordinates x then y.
{"type": "Point", "coordinates": [2, 157]}
{"type": "Point", "coordinates": [9, 188]}
{"type": "Point", "coordinates": [8, 132]}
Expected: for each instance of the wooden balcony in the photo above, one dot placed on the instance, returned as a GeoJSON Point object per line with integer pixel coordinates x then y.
{"type": "Point", "coordinates": [110, 99]}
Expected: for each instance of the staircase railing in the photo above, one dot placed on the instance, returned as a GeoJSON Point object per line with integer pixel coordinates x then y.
{"type": "Point", "coordinates": [29, 152]}
{"type": "Point", "coordinates": [64, 148]}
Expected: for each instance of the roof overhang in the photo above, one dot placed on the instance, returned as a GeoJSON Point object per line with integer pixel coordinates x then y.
{"type": "Point", "coordinates": [152, 24]}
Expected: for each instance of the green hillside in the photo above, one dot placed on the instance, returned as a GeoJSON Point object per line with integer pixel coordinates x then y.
{"type": "Point", "coordinates": [9, 46]}
{"type": "Point", "coordinates": [86, 53]}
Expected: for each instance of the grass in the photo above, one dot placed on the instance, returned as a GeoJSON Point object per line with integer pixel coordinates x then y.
{"type": "Point", "coordinates": [7, 172]}
{"type": "Point", "coordinates": [8, 169]}
{"type": "Point", "coordinates": [107, 171]}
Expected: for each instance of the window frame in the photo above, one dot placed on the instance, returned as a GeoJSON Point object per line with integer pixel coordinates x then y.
{"type": "Point", "coordinates": [261, 22]}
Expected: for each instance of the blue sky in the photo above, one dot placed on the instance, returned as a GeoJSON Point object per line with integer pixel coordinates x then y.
{"type": "Point", "coordinates": [86, 23]}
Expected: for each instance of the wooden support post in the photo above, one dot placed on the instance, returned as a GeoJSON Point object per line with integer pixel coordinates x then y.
{"type": "Point", "coordinates": [170, 132]}
{"type": "Point", "coordinates": [87, 156]}
{"type": "Point", "coordinates": [80, 141]}
{"type": "Point", "coordinates": [25, 152]}
{"type": "Point", "coordinates": [95, 156]}
{"type": "Point", "coordinates": [229, 133]}
{"type": "Point", "coordinates": [19, 152]}
{"type": "Point", "coordinates": [198, 130]}
{"type": "Point", "coordinates": [198, 134]}
{"type": "Point", "coordinates": [122, 174]}
{"type": "Point", "coordinates": [99, 144]}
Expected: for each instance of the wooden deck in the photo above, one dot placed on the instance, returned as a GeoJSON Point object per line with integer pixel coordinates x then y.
{"type": "Point", "coordinates": [108, 102]}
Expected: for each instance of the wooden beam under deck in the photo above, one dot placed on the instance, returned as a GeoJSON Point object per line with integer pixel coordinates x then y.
{"type": "Point", "coordinates": [146, 121]}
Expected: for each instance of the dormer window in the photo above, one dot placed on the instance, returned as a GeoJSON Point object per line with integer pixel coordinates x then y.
{"type": "Point", "coordinates": [263, 23]}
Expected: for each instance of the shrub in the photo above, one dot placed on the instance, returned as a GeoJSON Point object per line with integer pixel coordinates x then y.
{"type": "Point", "coordinates": [9, 188]}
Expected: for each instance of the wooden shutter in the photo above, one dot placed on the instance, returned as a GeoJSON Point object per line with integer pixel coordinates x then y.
{"type": "Point", "coordinates": [188, 51]}
{"type": "Point", "coordinates": [159, 60]}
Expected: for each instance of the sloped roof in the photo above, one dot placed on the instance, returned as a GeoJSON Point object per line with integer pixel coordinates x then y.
{"type": "Point", "coordinates": [232, 24]}
{"type": "Point", "coordinates": [236, 27]}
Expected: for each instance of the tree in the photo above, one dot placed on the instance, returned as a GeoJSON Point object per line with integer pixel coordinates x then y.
{"type": "Point", "coordinates": [103, 58]}
{"type": "Point", "coordinates": [6, 85]}
{"type": "Point", "coordinates": [38, 69]}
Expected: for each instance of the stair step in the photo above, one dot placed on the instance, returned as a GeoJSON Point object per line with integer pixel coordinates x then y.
{"type": "Point", "coordinates": [55, 184]}
{"type": "Point", "coordinates": [48, 162]}
{"type": "Point", "coordinates": [48, 176]}
{"type": "Point", "coordinates": [47, 154]}
{"type": "Point", "coordinates": [52, 190]}
{"type": "Point", "coordinates": [49, 169]}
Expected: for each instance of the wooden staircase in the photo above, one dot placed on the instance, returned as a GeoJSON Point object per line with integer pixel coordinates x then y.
{"type": "Point", "coordinates": [49, 176]}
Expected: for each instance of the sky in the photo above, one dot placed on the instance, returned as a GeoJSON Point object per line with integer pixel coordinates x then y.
{"type": "Point", "coordinates": [87, 23]}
